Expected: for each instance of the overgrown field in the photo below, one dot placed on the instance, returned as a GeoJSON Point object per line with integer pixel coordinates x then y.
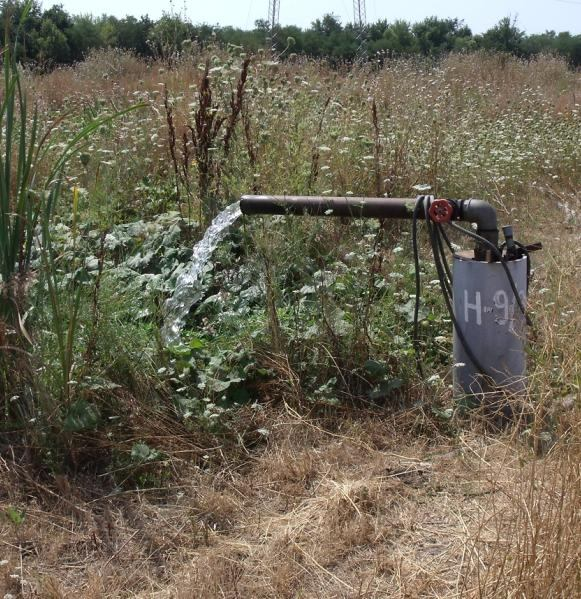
{"type": "Point", "coordinates": [288, 446]}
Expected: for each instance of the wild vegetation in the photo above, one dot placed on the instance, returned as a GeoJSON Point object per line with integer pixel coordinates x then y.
{"type": "Point", "coordinates": [288, 446]}
{"type": "Point", "coordinates": [54, 37]}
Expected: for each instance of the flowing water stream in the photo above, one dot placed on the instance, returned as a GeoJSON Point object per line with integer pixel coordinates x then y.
{"type": "Point", "coordinates": [188, 288]}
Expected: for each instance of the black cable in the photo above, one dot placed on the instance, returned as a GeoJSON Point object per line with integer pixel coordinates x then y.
{"type": "Point", "coordinates": [528, 257]}
{"type": "Point", "coordinates": [437, 248]}
{"type": "Point", "coordinates": [498, 254]}
{"type": "Point", "coordinates": [446, 238]}
{"type": "Point", "coordinates": [447, 293]}
{"type": "Point", "coordinates": [525, 252]}
{"type": "Point", "coordinates": [438, 231]}
{"type": "Point", "coordinates": [415, 215]}
{"type": "Point", "coordinates": [438, 237]}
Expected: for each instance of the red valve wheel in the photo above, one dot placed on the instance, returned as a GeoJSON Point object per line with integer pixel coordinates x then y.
{"type": "Point", "coordinates": [441, 211]}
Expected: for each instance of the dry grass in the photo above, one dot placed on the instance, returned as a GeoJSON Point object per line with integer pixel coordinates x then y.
{"type": "Point", "coordinates": [350, 506]}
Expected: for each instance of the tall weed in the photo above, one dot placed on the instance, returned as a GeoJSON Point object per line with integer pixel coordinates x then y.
{"type": "Point", "coordinates": [32, 168]}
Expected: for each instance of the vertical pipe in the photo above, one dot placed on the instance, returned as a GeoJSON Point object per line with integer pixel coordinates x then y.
{"type": "Point", "coordinates": [492, 323]}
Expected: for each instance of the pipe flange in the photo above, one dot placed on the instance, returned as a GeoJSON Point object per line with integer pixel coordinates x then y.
{"type": "Point", "coordinates": [441, 211]}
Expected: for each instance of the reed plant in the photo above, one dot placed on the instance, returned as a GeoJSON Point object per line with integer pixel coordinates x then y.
{"type": "Point", "coordinates": [32, 165]}
{"type": "Point", "coordinates": [20, 205]}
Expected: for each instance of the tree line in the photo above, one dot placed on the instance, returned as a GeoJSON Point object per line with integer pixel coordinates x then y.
{"type": "Point", "coordinates": [54, 37]}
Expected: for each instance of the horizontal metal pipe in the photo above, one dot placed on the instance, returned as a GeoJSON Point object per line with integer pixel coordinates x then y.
{"type": "Point", "coordinates": [329, 206]}
{"type": "Point", "coordinates": [474, 211]}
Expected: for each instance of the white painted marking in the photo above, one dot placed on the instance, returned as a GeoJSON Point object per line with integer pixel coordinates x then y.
{"type": "Point", "coordinates": [477, 307]}
{"type": "Point", "coordinates": [500, 300]}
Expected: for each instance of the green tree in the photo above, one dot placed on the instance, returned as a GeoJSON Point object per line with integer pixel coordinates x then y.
{"type": "Point", "coordinates": [505, 36]}
{"type": "Point", "coordinates": [11, 12]}
{"type": "Point", "coordinates": [83, 35]}
{"type": "Point", "coordinates": [328, 25]}
{"type": "Point", "coordinates": [59, 17]}
{"type": "Point", "coordinates": [53, 46]}
{"type": "Point", "coordinates": [168, 34]}
{"type": "Point", "coordinates": [327, 37]}
{"type": "Point", "coordinates": [399, 38]}
{"type": "Point", "coordinates": [109, 31]}
{"type": "Point", "coordinates": [133, 34]}
{"type": "Point", "coordinates": [435, 36]}
{"type": "Point", "coordinates": [569, 46]}
{"type": "Point", "coordinates": [56, 37]}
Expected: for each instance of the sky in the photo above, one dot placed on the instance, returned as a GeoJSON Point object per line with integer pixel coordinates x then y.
{"type": "Point", "coordinates": [534, 16]}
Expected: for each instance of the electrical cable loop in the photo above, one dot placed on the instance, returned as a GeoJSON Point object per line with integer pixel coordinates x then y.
{"type": "Point", "coordinates": [424, 203]}
{"type": "Point", "coordinates": [434, 217]}
{"type": "Point", "coordinates": [498, 254]}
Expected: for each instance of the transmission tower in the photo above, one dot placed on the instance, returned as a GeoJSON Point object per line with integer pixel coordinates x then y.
{"type": "Point", "coordinates": [360, 24]}
{"type": "Point", "coordinates": [359, 14]}
{"type": "Point", "coordinates": [273, 13]}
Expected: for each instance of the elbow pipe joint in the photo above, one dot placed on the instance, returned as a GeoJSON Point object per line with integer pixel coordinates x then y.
{"type": "Point", "coordinates": [484, 215]}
